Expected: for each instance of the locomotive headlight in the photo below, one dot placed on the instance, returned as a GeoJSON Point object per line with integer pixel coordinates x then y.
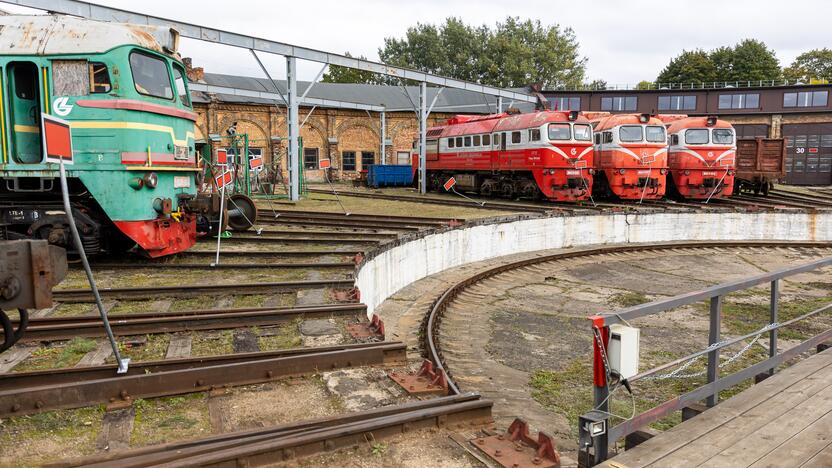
{"type": "Point", "coordinates": [151, 179]}
{"type": "Point", "coordinates": [592, 172]}
{"type": "Point", "coordinates": [687, 172]}
{"type": "Point", "coordinates": [730, 172]}
{"type": "Point", "coordinates": [662, 171]}
{"type": "Point", "coordinates": [621, 171]}
{"type": "Point", "coordinates": [136, 183]}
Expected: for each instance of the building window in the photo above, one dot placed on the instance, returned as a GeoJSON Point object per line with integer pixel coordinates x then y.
{"type": "Point", "coordinates": [310, 158]}
{"type": "Point", "coordinates": [739, 101]}
{"type": "Point", "coordinates": [619, 103]}
{"type": "Point", "coordinates": [368, 158]}
{"type": "Point", "coordinates": [515, 138]}
{"type": "Point", "coordinates": [806, 99]}
{"type": "Point", "coordinates": [403, 158]}
{"type": "Point", "coordinates": [677, 102]}
{"type": "Point", "coordinates": [565, 103]}
{"type": "Point", "coordinates": [348, 160]}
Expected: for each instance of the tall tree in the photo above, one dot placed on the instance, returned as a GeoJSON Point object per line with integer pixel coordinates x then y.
{"type": "Point", "coordinates": [338, 74]}
{"type": "Point", "coordinates": [753, 61]}
{"type": "Point", "coordinates": [691, 66]}
{"type": "Point", "coordinates": [513, 53]}
{"type": "Point", "coordinates": [814, 65]}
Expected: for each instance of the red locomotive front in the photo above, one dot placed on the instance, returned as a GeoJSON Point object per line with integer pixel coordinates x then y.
{"type": "Point", "coordinates": [546, 153]}
{"type": "Point", "coordinates": [701, 156]}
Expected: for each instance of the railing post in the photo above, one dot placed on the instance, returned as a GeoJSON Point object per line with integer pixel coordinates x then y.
{"type": "Point", "coordinates": [713, 337]}
{"type": "Point", "coordinates": [773, 308]}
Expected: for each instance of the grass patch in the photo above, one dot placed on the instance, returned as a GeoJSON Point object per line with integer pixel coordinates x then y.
{"type": "Point", "coordinates": [253, 300]}
{"type": "Point", "coordinates": [57, 355]}
{"type": "Point", "coordinates": [212, 343]}
{"type": "Point", "coordinates": [73, 309]}
{"type": "Point", "coordinates": [37, 438]}
{"type": "Point", "coordinates": [153, 349]}
{"type": "Point", "coordinates": [192, 303]}
{"type": "Point", "coordinates": [167, 419]}
{"type": "Point", "coordinates": [629, 299]}
{"type": "Point", "coordinates": [133, 307]}
{"type": "Point", "coordinates": [744, 318]}
{"type": "Point", "coordinates": [285, 337]}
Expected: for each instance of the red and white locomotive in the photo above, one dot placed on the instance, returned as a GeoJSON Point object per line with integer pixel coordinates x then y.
{"type": "Point", "coordinates": [701, 156]}
{"type": "Point", "coordinates": [546, 153]}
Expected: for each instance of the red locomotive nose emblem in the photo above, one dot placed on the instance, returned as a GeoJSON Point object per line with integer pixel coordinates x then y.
{"type": "Point", "coordinates": [574, 151]}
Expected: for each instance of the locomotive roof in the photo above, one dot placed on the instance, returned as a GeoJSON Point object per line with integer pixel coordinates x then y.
{"type": "Point", "coordinates": [463, 125]}
{"type": "Point", "coordinates": [695, 122]}
{"type": "Point", "coordinates": [61, 34]}
{"type": "Point", "coordinates": [615, 120]}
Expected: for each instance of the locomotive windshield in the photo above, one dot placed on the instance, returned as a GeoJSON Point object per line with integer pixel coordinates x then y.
{"type": "Point", "coordinates": [150, 75]}
{"type": "Point", "coordinates": [631, 133]}
{"type": "Point", "coordinates": [559, 131]}
{"type": "Point", "coordinates": [583, 132]}
{"type": "Point", "coordinates": [655, 134]}
{"type": "Point", "coordinates": [723, 136]}
{"type": "Point", "coordinates": [696, 136]}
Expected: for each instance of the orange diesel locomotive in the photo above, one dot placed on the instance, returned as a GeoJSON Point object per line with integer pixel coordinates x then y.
{"type": "Point", "coordinates": [630, 156]}
{"type": "Point", "coordinates": [701, 156]}
{"type": "Point", "coordinates": [546, 153]}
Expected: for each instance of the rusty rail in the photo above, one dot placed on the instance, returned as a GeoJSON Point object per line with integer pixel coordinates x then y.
{"type": "Point", "coordinates": [31, 392]}
{"type": "Point", "coordinates": [65, 328]}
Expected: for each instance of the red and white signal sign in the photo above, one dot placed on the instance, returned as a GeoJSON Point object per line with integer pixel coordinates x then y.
{"type": "Point", "coordinates": [222, 157]}
{"type": "Point", "coordinates": [726, 162]}
{"type": "Point", "coordinates": [580, 164]}
{"type": "Point", "coordinates": [57, 140]}
{"type": "Point", "coordinates": [324, 164]}
{"type": "Point", "coordinates": [223, 179]}
{"type": "Point", "coordinates": [450, 184]}
{"type": "Point", "coordinates": [255, 162]}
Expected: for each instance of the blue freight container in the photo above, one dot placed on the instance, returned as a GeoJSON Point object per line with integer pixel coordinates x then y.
{"type": "Point", "coordinates": [385, 175]}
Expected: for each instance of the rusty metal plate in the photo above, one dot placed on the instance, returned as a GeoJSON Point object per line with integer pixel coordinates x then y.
{"type": "Point", "coordinates": [515, 449]}
{"type": "Point", "coordinates": [425, 381]}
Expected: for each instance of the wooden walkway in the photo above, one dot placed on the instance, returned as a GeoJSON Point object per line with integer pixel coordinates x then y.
{"type": "Point", "coordinates": [784, 421]}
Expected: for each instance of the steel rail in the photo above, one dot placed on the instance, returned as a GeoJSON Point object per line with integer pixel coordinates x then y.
{"type": "Point", "coordinates": [285, 439]}
{"type": "Point", "coordinates": [155, 292]}
{"type": "Point", "coordinates": [328, 234]}
{"type": "Point", "coordinates": [31, 392]}
{"type": "Point", "coordinates": [365, 217]}
{"type": "Point", "coordinates": [222, 266]}
{"type": "Point", "coordinates": [431, 344]}
{"type": "Point", "coordinates": [345, 223]}
{"type": "Point", "coordinates": [65, 328]}
{"type": "Point", "coordinates": [268, 253]}
{"type": "Point", "coordinates": [293, 240]}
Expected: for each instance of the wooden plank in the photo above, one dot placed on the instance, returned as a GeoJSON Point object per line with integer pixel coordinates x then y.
{"type": "Point", "coordinates": [758, 443]}
{"type": "Point", "coordinates": [179, 347]}
{"type": "Point", "coordinates": [116, 428]}
{"type": "Point", "coordinates": [802, 447]}
{"type": "Point", "coordinates": [97, 356]}
{"type": "Point", "coordinates": [823, 459]}
{"type": "Point", "coordinates": [162, 305]}
{"type": "Point", "coordinates": [680, 435]}
{"type": "Point", "coordinates": [13, 356]}
{"type": "Point", "coordinates": [733, 432]}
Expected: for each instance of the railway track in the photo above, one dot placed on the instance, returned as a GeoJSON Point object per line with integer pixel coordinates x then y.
{"type": "Point", "coordinates": [32, 392]}
{"type": "Point", "coordinates": [288, 441]}
{"type": "Point", "coordinates": [222, 266]}
{"type": "Point", "coordinates": [431, 342]}
{"type": "Point", "coordinates": [66, 328]}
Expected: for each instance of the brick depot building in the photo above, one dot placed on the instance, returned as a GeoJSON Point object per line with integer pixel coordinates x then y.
{"type": "Point", "coordinates": [801, 114]}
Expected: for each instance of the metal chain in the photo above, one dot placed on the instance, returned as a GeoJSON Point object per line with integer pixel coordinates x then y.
{"type": "Point", "coordinates": [677, 373]}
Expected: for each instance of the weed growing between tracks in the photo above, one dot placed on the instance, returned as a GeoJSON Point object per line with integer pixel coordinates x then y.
{"type": "Point", "coordinates": [40, 437]}
{"type": "Point", "coordinates": [212, 343]}
{"type": "Point", "coordinates": [161, 420]}
{"type": "Point", "coordinates": [57, 354]}
{"type": "Point", "coordinates": [283, 337]}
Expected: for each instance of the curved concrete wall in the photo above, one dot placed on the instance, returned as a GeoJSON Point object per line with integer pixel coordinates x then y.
{"type": "Point", "coordinates": [396, 265]}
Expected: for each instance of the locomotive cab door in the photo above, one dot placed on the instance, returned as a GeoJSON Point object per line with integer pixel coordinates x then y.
{"type": "Point", "coordinates": [24, 112]}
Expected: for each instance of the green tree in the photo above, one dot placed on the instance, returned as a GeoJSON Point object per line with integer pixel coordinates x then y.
{"type": "Point", "coordinates": [691, 66]}
{"type": "Point", "coordinates": [644, 84]}
{"type": "Point", "coordinates": [752, 61]}
{"type": "Point", "coordinates": [513, 53]}
{"type": "Point", "coordinates": [814, 65]}
{"type": "Point", "coordinates": [338, 74]}
{"type": "Point", "coordinates": [596, 85]}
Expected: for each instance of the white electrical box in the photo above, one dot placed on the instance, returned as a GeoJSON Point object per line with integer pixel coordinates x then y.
{"type": "Point", "coordinates": [622, 351]}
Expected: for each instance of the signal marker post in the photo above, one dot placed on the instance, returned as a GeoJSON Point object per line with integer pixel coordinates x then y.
{"type": "Point", "coordinates": [449, 187]}
{"type": "Point", "coordinates": [223, 179]}
{"type": "Point", "coordinates": [57, 149]}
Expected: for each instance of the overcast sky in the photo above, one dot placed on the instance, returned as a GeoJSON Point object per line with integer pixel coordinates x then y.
{"type": "Point", "coordinates": [625, 42]}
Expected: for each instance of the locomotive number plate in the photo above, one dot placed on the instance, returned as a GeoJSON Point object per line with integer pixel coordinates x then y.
{"type": "Point", "coordinates": [20, 216]}
{"type": "Point", "coordinates": [570, 172]}
{"type": "Point", "coordinates": [709, 174]}
{"type": "Point", "coordinates": [180, 152]}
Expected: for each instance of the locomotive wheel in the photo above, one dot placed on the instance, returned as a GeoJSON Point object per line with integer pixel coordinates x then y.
{"type": "Point", "coordinates": [242, 212]}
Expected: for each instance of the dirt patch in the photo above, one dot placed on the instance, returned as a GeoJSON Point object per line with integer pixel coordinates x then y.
{"type": "Point", "coordinates": [50, 436]}
{"type": "Point", "coordinates": [169, 419]}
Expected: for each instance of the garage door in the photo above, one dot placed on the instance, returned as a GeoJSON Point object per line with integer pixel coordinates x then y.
{"type": "Point", "coordinates": [808, 154]}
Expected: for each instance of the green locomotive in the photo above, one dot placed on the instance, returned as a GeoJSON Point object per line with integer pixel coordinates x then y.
{"type": "Point", "coordinates": [124, 91]}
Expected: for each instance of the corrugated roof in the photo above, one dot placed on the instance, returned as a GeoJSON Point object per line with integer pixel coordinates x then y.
{"type": "Point", "coordinates": [392, 97]}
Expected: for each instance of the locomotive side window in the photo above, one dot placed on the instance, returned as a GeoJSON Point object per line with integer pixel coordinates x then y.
{"type": "Point", "coordinates": [486, 140]}
{"type": "Point", "coordinates": [696, 136]}
{"type": "Point", "coordinates": [515, 138]}
{"type": "Point", "coordinates": [467, 141]}
{"type": "Point", "coordinates": [534, 134]}
{"type": "Point", "coordinates": [655, 134]}
{"type": "Point", "coordinates": [181, 87]}
{"type": "Point", "coordinates": [71, 77]}
{"type": "Point", "coordinates": [607, 137]}
{"type": "Point", "coordinates": [459, 142]}
{"type": "Point", "coordinates": [150, 75]}
{"type": "Point", "coordinates": [597, 138]}
{"type": "Point", "coordinates": [476, 140]}
{"type": "Point", "coordinates": [99, 78]}
{"type": "Point", "coordinates": [631, 133]}
{"type": "Point", "coordinates": [582, 132]}
{"type": "Point", "coordinates": [497, 139]}
{"type": "Point", "coordinates": [451, 142]}
{"type": "Point", "coordinates": [723, 136]}
{"type": "Point", "coordinates": [559, 131]}
{"type": "Point", "coordinates": [674, 139]}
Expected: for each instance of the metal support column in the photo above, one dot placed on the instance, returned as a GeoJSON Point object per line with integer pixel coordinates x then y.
{"type": "Point", "coordinates": [382, 148]}
{"type": "Point", "coordinates": [774, 310]}
{"type": "Point", "coordinates": [499, 104]}
{"type": "Point", "coordinates": [423, 137]}
{"type": "Point", "coordinates": [292, 120]}
{"type": "Point", "coordinates": [713, 337]}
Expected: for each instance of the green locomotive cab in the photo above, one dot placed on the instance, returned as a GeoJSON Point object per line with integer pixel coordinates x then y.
{"type": "Point", "coordinates": [124, 91]}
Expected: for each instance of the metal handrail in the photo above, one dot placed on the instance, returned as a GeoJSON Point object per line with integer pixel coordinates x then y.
{"type": "Point", "coordinates": [715, 383]}
{"type": "Point", "coordinates": [657, 85]}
